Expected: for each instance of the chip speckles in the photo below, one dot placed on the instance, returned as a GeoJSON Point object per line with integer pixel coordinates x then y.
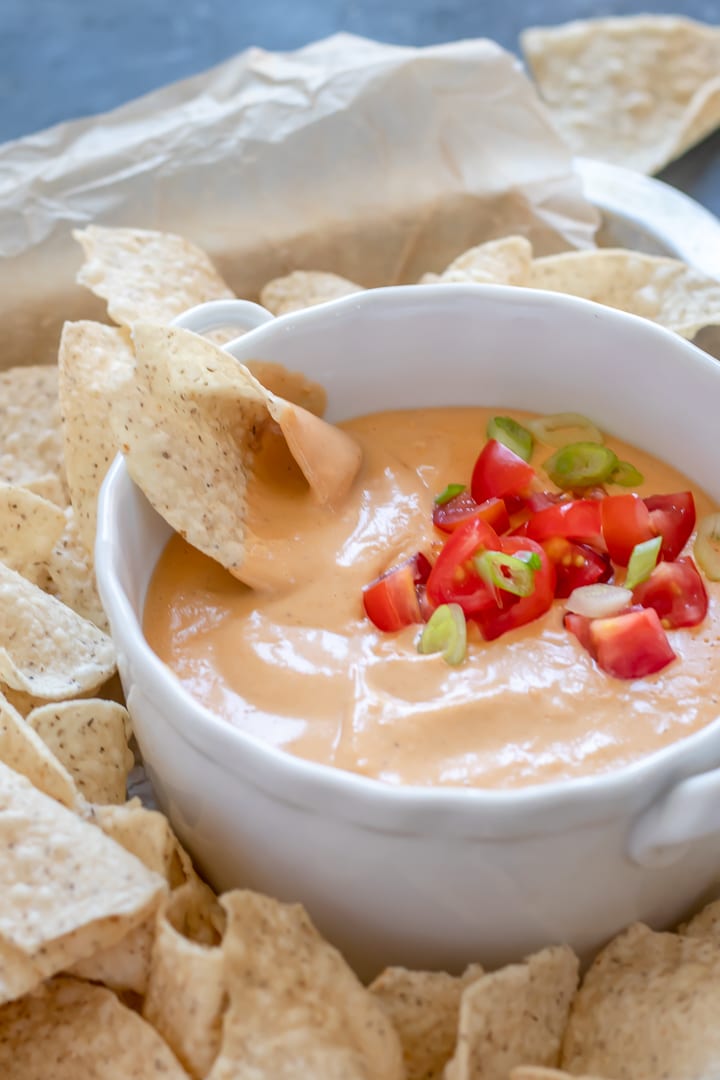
{"type": "Point", "coordinates": [73, 1030]}
{"type": "Point", "coordinates": [648, 1009]}
{"type": "Point", "coordinates": [46, 649]}
{"type": "Point", "coordinates": [145, 274]}
{"type": "Point", "coordinates": [31, 450]}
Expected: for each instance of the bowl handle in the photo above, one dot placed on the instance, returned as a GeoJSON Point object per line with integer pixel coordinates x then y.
{"type": "Point", "coordinates": [689, 812]}
{"type": "Point", "coordinates": [218, 314]}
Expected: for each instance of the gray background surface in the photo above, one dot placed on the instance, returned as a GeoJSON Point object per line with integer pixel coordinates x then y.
{"type": "Point", "coordinates": [61, 59]}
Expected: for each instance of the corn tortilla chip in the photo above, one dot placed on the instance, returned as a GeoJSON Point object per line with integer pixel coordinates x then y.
{"type": "Point", "coordinates": [29, 528]}
{"type": "Point", "coordinates": [304, 288]}
{"type": "Point", "coordinates": [22, 749]}
{"type": "Point", "coordinates": [190, 427]}
{"type": "Point", "coordinates": [295, 1008]}
{"type": "Point", "coordinates": [94, 360]}
{"type": "Point", "coordinates": [68, 890]}
{"type": "Point", "coordinates": [70, 575]}
{"type": "Point", "coordinates": [46, 650]}
{"type": "Point", "coordinates": [423, 1007]}
{"type": "Point", "coordinates": [537, 1072]}
{"type": "Point", "coordinates": [635, 91]}
{"type": "Point", "coordinates": [31, 451]}
{"type": "Point", "coordinates": [706, 924]}
{"type": "Point", "coordinates": [185, 996]}
{"type": "Point", "coordinates": [146, 275]}
{"type": "Point", "coordinates": [147, 835]}
{"type": "Point", "coordinates": [664, 290]}
{"type": "Point", "coordinates": [90, 739]}
{"type": "Point", "coordinates": [504, 262]}
{"type": "Point", "coordinates": [515, 1016]}
{"type": "Point", "coordinates": [291, 385]}
{"type": "Point", "coordinates": [648, 1007]}
{"type": "Point", "coordinates": [72, 1030]}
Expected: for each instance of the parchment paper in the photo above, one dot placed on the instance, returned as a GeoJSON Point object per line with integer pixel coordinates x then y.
{"type": "Point", "coordinates": [375, 161]}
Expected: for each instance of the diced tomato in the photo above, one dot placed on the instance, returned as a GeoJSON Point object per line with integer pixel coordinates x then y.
{"type": "Point", "coordinates": [391, 601]}
{"type": "Point", "coordinates": [628, 646]}
{"type": "Point", "coordinates": [673, 518]}
{"type": "Point", "coordinates": [541, 500]}
{"type": "Point", "coordinates": [516, 611]}
{"type": "Point", "coordinates": [500, 473]}
{"type": "Point", "coordinates": [421, 567]}
{"type": "Point", "coordinates": [576, 565]}
{"type": "Point", "coordinates": [625, 523]}
{"type": "Point", "coordinates": [447, 516]}
{"type": "Point", "coordinates": [579, 625]}
{"type": "Point", "coordinates": [676, 592]}
{"type": "Point", "coordinates": [579, 519]}
{"type": "Point", "coordinates": [454, 579]}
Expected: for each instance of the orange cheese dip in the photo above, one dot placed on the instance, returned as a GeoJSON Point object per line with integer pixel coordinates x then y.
{"type": "Point", "coordinates": [302, 668]}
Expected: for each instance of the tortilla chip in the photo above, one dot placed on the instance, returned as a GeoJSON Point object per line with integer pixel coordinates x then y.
{"type": "Point", "coordinates": [46, 650]}
{"type": "Point", "coordinates": [515, 1016]}
{"type": "Point", "coordinates": [423, 1007]}
{"type": "Point", "coordinates": [29, 529]}
{"type": "Point", "coordinates": [147, 275]}
{"type": "Point", "coordinates": [185, 995]}
{"type": "Point", "coordinates": [90, 738]}
{"type": "Point", "coordinates": [70, 575]}
{"type": "Point", "coordinates": [72, 1030]}
{"type": "Point", "coordinates": [664, 290]}
{"type": "Point", "coordinates": [295, 1007]}
{"type": "Point", "coordinates": [31, 450]}
{"type": "Point", "coordinates": [635, 91]}
{"type": "Point", "coordinates": [537, 1072]}
{"type": "Point", "coordinates": [502, 262]}
{"type": "Point", "coordinates": [147, 835]}
{"type": "Point", "coordinates": [706, 924]}
{"type": "Point", "coordinates": [190, 427]}
{"type": "Point", "coordinates": [303, 289]}
{"type": "Point", "coordinates": [22, 749]}
{"type": "Point", "coordinates": [648, 1007]}
{"type": "Point", "coordinates": [94, 360]}
{"type": "Point", "coordinates": [67, 889]}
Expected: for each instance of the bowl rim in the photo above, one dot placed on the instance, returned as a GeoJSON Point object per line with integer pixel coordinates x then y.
{"type": "Point", "coordinates": [367, 800]}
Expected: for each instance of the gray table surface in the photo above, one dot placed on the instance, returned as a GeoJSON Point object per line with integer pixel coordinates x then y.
{"type": "Point", "coordinates": [61, 59]}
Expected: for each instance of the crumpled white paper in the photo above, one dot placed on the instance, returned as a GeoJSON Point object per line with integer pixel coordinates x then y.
{"type": "Point", "coordinates": [376, 161]}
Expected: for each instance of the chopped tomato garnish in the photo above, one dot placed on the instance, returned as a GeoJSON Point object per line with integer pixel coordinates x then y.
{"type": "Point", "coordinates": [392, 601]}
{"type": "Point", "coordinates": [449, 515]}
{"type": "Point", "coordinates": [673, 518]}
{"type": "Point", "coordinates": [454, 578]}
{"type": "Point", "coordinates": [625, 522]}
{"type": "Point", "coordinates": [676, 592]}
{"type": "Point", "coordinates": [500, 473]}
{"type": "Point", "coordinates": [514, 611]}
{"type": "Point", "coordinates": [579, 519]}
{"type": "Point", "coordinates": [576, 565]}
{"type": "Point", "coordinates": [628, 646]}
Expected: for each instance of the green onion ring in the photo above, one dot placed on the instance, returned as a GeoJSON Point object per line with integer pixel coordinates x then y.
{"type": "Point", "coordinates": [707, 546]}
{"type": "Point", "coordinates": [581, 464]}
{"type": "Point", "coordinates": [445, 632]}
{"type": "Point", "coordinates": [520, 579]}
{"type": "Point", "coordinates": [450, 492]}
{"type": "Point", "coordinates": [560, 428]}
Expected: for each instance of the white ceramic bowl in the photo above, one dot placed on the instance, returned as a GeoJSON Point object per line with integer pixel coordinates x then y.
{"type": "Point", "coordinates": [413, 875]}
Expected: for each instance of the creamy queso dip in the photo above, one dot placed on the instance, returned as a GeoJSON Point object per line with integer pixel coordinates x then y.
{"type": "Point", "coordinates": [304, 669]}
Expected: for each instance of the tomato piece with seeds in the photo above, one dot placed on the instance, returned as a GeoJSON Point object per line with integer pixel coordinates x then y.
{"type": "Point", "coordinates": [676, 592]}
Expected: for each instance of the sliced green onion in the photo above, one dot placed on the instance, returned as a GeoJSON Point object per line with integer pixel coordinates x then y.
{"type": "Point", "coordinates": [598, 601]}
{"type": "Point", "coordinates": [626, 475]}
{"type": "Point", "coordinates": [707, 546]}
{"type": "Point", "coordinates": [507, 572]}
{"type": "Point", "coordinates": [564, 427]}
{"type": "Point", "coordinates": [530, 558]}
{"type": "Point", "coordinates": [581, 464]}
{"type": "Point", "coordinates": [449, 493]}
{"type": "Point", "coordinates": [643, 561]}
{"type": "Point", "coordinates": [445, 632]}
{"type": "Point", "coordinates": [511, 434]}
